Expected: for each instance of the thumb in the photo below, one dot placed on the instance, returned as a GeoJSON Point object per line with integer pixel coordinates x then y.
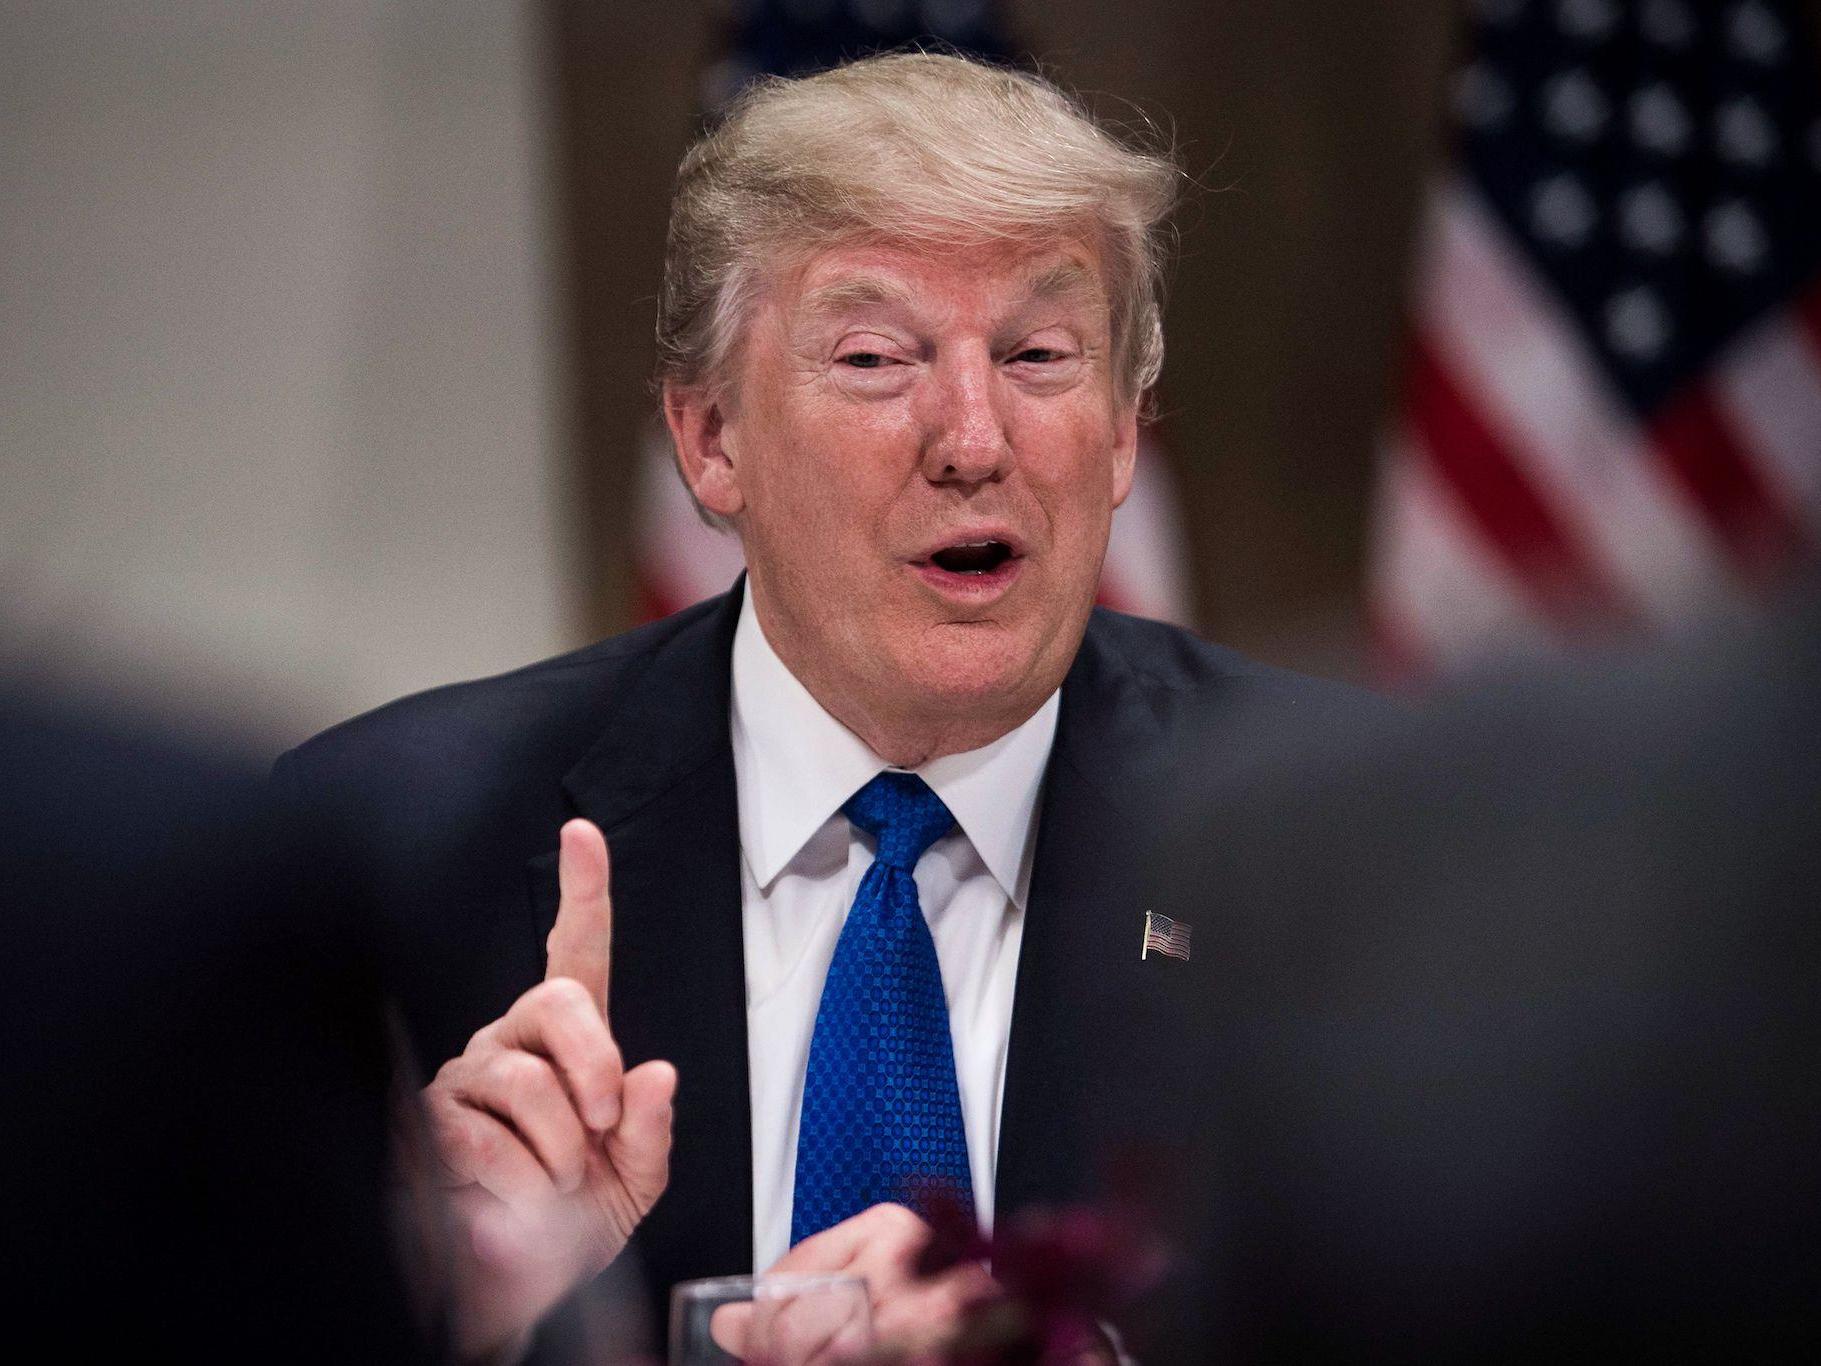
{"type": "Point", "coordinates": [639, 1145]}
{"type": "Point", "coordinates": [581, 942]}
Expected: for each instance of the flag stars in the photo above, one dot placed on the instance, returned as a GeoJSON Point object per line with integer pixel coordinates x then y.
{"type": "Point", "coordinates": [953, 16]}
{"type": "Point", "coordinates": [724, 79]}
{"type": "Point", "coordinates": [878, 14]}
{"type": "Point", "coordinates": [1650, 220]}
{"type": "Point", "coordinates": [1743, 134]}
{"type": "Point", "coordinates": [1586, 19]}
{"type": "Point", "coordinates": [1754, 33]}
{"type": "Point", "coordinates": [1637, 324]}
{"type": "Point", "coordinates": [1574, 108]}
{"type": "Point", "coordinates": [1667, 23]}
{"type": "Point", "coordinates": [1735, 238]}
{"type": "Point", "coordinates": [1499, 12]}
{"type": "Point", "coordinates": [1562, 213]}
{"type": "Point", "coordinates": [1658, 120]}
{"type": "Point", "coordinates": [1657, 163]}
{"type": "Point", "coordinates": [1482, 100]}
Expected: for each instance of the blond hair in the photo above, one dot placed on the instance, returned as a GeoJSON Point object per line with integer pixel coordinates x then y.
{"type": "Point", "coordinates": [916, 148]}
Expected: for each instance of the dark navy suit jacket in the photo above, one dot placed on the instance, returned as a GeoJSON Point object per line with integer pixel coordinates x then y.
{"type": "Point", "coordinates": [440, 812]}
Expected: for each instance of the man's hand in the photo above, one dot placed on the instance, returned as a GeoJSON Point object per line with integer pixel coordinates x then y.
{"type": "Point", "coordinates": [550, 1153]}
{"type": "Point", "coordinates": [912, 1316]}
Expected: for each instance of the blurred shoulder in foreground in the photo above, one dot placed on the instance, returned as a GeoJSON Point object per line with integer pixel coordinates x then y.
{"type": "Point", "coordinates": [195, 1072]}
{"type": "Point", "coordinates": [1522, 1038]}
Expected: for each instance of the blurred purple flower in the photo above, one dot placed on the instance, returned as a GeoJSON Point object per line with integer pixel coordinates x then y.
{"type": "Point", "coordinates": [1065, 1271]}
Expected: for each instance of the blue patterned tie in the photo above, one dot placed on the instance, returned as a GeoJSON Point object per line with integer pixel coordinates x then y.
{"type": "Point", "coordinates": [881, 1108]}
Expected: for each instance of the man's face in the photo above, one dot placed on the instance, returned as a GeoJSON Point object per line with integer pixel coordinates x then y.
{"type": "Point", "coordinates": [922, 457]}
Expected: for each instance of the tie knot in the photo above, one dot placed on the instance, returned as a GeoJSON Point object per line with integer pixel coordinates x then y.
{"type": "Point", "coordinates": [900, 811]}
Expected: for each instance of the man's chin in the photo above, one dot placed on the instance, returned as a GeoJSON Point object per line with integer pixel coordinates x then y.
{"type": "Point", "coordinates": [980, 668]}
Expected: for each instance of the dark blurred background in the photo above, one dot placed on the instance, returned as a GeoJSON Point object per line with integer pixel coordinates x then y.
{"type": "Point", "coordinates": [325, 372]}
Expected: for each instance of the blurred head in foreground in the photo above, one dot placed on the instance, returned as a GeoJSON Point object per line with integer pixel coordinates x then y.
{"type": "Point", "coordinates": [195, 1071]}
{"type": "Point", "coordinates": [1521, 1041]}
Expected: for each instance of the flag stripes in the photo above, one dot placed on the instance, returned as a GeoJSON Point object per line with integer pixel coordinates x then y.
{"type": "Point", "coordinates": [1611, 411]}
{"type": "Point", "coordinates": [1550, 566]}
{"type": "Point", "coordinates": [1165, 936]}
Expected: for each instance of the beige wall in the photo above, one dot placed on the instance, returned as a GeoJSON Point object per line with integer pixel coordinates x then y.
{"type": "Point", "coordinates": [276, 395]}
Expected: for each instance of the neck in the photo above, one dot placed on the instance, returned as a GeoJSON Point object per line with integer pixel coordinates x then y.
{"type": "Point", "coordinates": [909, 746]}
{"type": "Point", "coordinates": [908, 738]}
{"type": "Point", "coordinates": [904, 736]}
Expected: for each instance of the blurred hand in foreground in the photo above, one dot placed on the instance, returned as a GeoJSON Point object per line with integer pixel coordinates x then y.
{"type": "Point", "coordinates": [914, 1316]}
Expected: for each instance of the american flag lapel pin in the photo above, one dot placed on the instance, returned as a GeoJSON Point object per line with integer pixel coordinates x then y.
{"type": "Point", "coordinates": [1165, 936]}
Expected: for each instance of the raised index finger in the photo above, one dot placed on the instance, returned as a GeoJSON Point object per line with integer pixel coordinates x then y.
{"type": "Point", "coordinates": [581, 942]}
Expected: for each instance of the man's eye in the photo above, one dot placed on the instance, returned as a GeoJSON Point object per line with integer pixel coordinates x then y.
{"type": "Point", "coordinates": [1038, 354]}
{"type": "Point", "coordinates": [863, 360]}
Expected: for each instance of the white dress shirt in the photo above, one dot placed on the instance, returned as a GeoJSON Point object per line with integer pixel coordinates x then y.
{"type": "Point", "coordinates": [801, 863]}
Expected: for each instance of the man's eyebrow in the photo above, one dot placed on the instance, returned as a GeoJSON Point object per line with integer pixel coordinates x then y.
{"type": "Point", "coordinates": [1065, 279]}
{"type": "Point", "coordinates": [860, 291]}
{"type": "Point", "coordinates": [1068, 279]}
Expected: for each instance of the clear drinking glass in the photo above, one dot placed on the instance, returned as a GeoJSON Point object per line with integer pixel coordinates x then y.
{"type": "Point", "coordinates": [777, 1320]}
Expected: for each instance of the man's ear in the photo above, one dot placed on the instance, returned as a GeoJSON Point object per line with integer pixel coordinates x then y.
{"type": "Point", "coordinates": [1125, 451]}
{"type": "Point", "coordinates": [698, 429]}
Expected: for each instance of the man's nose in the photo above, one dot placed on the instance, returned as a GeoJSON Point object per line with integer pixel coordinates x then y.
{"type": "Point", "coordinates": [968, 440]}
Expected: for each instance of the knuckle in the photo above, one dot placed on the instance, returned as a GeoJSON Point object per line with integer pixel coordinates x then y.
{"type": "Point", "coordinates": [561, 994]}
{"type": "Point", "coordinates": [483, 1039]}
{"type": "Point", "coordinates": [556, 991]}
{"type": "Point", "coordinates": [448, 1136]}
{"type": "Point", "coordinates": [469, 1147]}
{"type": "Point", "coordinates": [441, 1105]}
{"type": "Point", "coordinates": [448, 1079]}
{"type": "Point", "coordinates": [486, 1145]}
{"type": "Point", "coordinates": [521, 1074]}
{"type": "Point", "coordinates": [899, 1221]}
{"type": "Point", "coordinates": [579, 1036]}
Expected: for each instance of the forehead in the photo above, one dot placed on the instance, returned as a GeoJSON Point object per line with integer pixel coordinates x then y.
{"type": "Point", "coordinates": [994, 276]}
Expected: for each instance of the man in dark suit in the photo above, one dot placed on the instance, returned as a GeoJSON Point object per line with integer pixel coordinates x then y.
{"type": "Point", "coordinates": [870, 895]}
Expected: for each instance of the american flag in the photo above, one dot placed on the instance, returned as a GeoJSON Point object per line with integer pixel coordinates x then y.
{"type": "Point", "coordinates": [1166, 936]}
{"type": "Point", "coordinates": [1611, 410]}
{"type": "Point", "coordinates": [680, 559]}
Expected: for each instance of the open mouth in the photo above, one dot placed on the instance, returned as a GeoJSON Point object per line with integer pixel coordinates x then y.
{"type": "Point", "coordinates": [972, 557]}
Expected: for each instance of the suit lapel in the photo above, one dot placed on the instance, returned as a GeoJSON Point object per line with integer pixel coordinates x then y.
{"type": "Point", "coordinates": [1088, 1015]}
{"type": "Point", "coordinates": [1040, 1145]}
{"type": "Point", "coordinates": [660, 783]}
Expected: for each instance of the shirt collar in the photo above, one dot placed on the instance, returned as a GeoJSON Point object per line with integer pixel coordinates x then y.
{"type": "Point", "coordinates": [795, 765]}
